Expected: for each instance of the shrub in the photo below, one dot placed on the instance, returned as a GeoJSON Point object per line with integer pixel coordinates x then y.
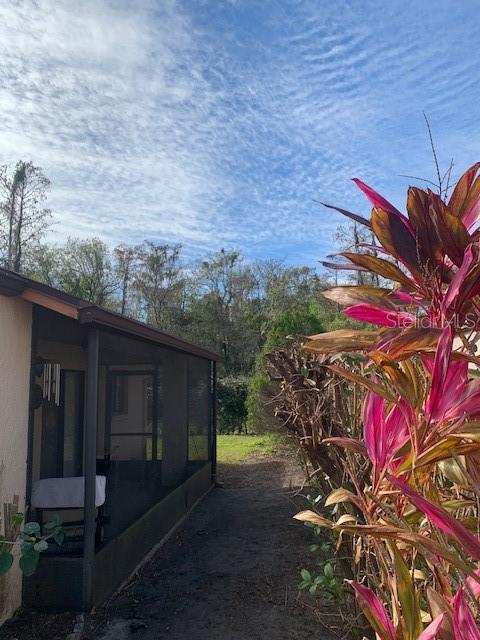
{"type": "Point", "coordinates": [294, 323]}
{"type": "Point", "coordinates": [232, 411]}
{"type": "Point", "coordinates": [413, 516]}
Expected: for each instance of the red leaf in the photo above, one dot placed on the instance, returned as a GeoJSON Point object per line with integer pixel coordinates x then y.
{"type": "Point", "coordinates": [431, 631]}
{"type": "Point", "coordinates": [378, 201]}
{"type": "Point", "coordinates": [458, 278]}
{"type": "Point", "coordinates": [440, 369]}
{"type": "Point", "coordinates": [463, 621]}
{"type": "Point", "coordinates": [441, 519]}
{"type": "Point", "coordinates": [374, 611]}
{"type": "Point", "coordinates": [380, 316]}
{"type": "Point", "coordinates": [397, 238]}
{"type": "Point", "coordinates": [460, 202]}
{"type": "Point", "coordinates": [353, 216]}
{"type": "Point", "coordinates": [384, 434]}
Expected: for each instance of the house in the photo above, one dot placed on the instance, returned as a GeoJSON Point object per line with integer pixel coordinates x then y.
{"type": "Point", "coordinates": [104, 421]}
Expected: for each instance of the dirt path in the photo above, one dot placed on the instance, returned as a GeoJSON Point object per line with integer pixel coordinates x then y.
{"type": "Point", "coordinates": [229, 573]}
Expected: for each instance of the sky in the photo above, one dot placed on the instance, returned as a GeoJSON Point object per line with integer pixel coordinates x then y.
{"type": "Point", "coordinates": [215, 123]}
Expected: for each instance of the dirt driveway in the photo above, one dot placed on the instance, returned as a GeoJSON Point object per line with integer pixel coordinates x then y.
{"type": "Point", "coordinates": [229, 573]}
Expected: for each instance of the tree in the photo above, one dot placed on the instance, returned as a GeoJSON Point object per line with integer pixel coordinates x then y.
{"type": "Point", "coordinates": [125, 263]}
{"type": "Point", "coordinates": [24, 219]}
{"type": "Point", "coordinates": [86, 271]}
{"type": "Point", "coordinates": [43, 263]}
{"type": "Point", "coordinates": [159, 284]}
{"type": "Point", "coordinates": [224, 310]}
{"type": "Point", "coordinates": [352, 238]}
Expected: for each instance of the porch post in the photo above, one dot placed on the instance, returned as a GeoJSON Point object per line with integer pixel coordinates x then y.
{"type": "Point", "coordinates": [175, 419]}
{"type": "Point", "coordinates": [213, 425]}
{"type": "Point", "coordinates": [31, 410]}
{"type": "Point", "coordinates": [90, 463]}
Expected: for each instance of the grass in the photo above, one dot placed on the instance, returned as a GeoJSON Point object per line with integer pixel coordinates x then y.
{"type": "Point", "coordinates": [197, 447]}
{"type": "Point", "coordinates": [232, 448]}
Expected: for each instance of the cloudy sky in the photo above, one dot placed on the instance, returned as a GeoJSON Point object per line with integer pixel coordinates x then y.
{"type": "Point", "coordinates": [217, 123]}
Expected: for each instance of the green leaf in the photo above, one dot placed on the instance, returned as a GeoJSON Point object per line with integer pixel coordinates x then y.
{"type": "Point", "coordinates": [31, 529]}
{"type": "Point", "coordinates": [26, 546]}
{"type": "Point", "coordinates": [306, 575]}
{"type": "Point", "coordinates": [59, 536]}
{"type": "Point", "coordinates": [328, 570]}
{"type": "Point", "coordinates": [6, 561]}
{"type": "Point", "coordinates": [41, 545]}
{"type": "Point", "coordinates": [53, 523]}
{"type": "Point", "coordinates": [29, 562]}
{"type": "Point", "coordinates": [313, 547]}
{"type": "Point", "coordinates": [411, 620]}
{"type": "Point", "coordinates": [17, 519]}
{"type": "Point", "coordinates": [313, 589]}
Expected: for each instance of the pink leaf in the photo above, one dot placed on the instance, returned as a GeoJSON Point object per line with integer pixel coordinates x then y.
{"type": "Point", "coordinates": [458, 278]}
{"type": "Point", "coordinates": [431, 631]}
{"type": "Point", "coordinates": [373, 426]}
{"type": "Point", "coordinates": [440, 368]}
{"type": "Point", "coordinates": [463, 621]}
{"type": "Point", "coordinates": [405, 297]}
{"type": "Point", "coordinates": [453, 391]}
{"type": "Point", "coordinates": [441, 519]}
{"type": "Point", "coordinates": [384, 435]}
{"type": "Point", "coordinates": [468, 404]}
{"type": "Point", "coordinates": [379, 316]}
{"type": "Point", "coordinates": [396, 429]}
{"type": "Point", "coordinates": [381, 203]}
{"type": "Point", "coordinates": [375, 611]}
{"type": "Point", "coordinates": [376, 199]}
{"type": "Point", "coordinates": [473, 215]}
{"type": "Point", "coordinates": [474, 585]}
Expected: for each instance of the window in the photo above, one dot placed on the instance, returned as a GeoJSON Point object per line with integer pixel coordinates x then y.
{"type": "Point", "coordinates": [133, 428]}
{"type": "Point", "coordinates": [119, 395]}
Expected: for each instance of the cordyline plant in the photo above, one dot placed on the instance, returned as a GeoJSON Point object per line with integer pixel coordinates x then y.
{"type": "Point", "coordinates": [417, 513]}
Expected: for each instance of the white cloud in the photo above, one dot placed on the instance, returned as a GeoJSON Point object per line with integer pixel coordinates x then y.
{"type": "Point", "coordinates": [216, 123]}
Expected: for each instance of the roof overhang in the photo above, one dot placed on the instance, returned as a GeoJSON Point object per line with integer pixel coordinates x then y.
{"type": "Point", "coordinates": [107, 319]}
{"type": "Point", "coordinates": [13, 284]}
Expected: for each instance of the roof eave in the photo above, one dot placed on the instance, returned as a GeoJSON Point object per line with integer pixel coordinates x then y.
{"type": "Point", "coordinates": [106, 319]}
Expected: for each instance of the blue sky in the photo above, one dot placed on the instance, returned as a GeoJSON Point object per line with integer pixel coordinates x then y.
{"type": "Point", "coordinates": [217, 123]}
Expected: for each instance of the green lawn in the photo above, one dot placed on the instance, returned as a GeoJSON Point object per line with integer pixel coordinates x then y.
{"type": "Point", "coordinates": [197, 448]}
{"type": "Point", "coordinates": [231, 448]}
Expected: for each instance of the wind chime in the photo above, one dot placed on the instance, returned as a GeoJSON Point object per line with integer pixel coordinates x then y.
{"type": "Point", "coordinates": [51, 382]}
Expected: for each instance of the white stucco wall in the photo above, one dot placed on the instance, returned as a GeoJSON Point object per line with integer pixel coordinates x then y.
{"type": "Point", "coordinates": [15, 353]}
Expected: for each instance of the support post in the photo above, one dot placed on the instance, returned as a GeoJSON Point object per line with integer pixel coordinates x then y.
{"type": "Point", "coordinates": [213, 426]}
{"type": "Point", "coordinates": [31, 408]}
{"type": "Point", "coordinates": [175, 420]}
{"type": "Point", "coordinates": [155, 414]}
{"type": "Point", "coordinates": [90, 463]}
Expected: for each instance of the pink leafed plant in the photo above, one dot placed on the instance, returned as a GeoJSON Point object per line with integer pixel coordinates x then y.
{"type": "Point", "coordinates": [416, 514]}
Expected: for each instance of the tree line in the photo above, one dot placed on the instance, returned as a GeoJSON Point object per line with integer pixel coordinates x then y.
{"type": "Point", "coordinates": [222, 301]}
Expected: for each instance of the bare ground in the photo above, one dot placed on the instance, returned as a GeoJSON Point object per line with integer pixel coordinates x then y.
{"type": "Point", "coordinates": [229, 573]}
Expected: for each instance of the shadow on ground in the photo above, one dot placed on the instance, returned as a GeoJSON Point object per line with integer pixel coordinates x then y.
{"type": "Point", "coordinates": [229, 573]}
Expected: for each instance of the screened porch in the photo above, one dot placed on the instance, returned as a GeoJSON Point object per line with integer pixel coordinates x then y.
{"type": "Point", "coordinates": [123, 433]}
